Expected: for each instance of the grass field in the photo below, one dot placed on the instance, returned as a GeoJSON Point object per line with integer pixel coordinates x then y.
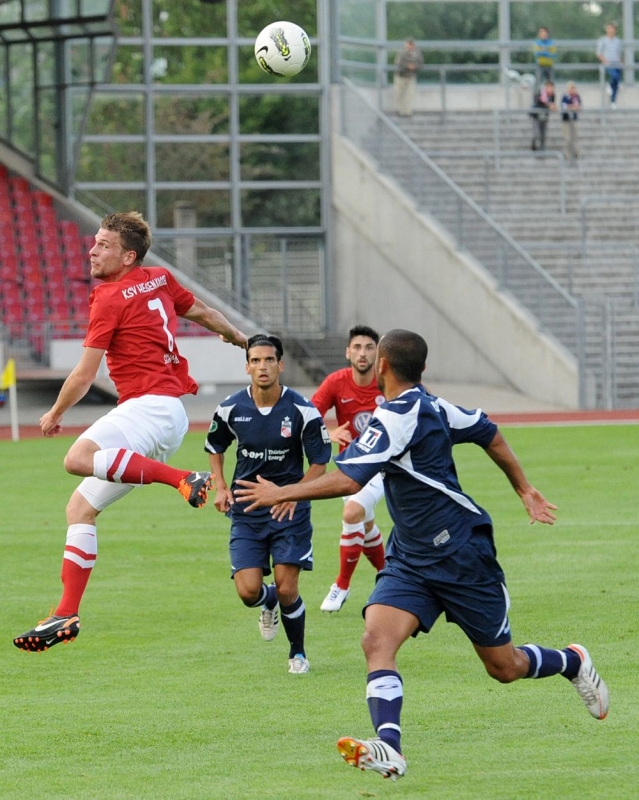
{"type": "Point", "coordinates": [170, 694]}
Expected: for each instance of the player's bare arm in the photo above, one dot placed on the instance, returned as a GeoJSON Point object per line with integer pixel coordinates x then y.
{"type": "Point", "coordinates": [223, 495]}
{"type": "Point", "coordinates": [216, 322]}
{"type": "Point", "coordinates": [265, 493]}
{"type": "Point", "coordinates": [286, 510]}
{"type": "Point", "coordinates": [73, 390]}
{"type": "Point", "coordinates": [341, 435]}
{"type": "Point", "coordinates": [538, 508]}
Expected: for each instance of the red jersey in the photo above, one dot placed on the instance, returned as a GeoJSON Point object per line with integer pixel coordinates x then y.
{"type": "Point", "coordinates": [135, 319]}
{"type": "Point", "coordinates": [353, 404]}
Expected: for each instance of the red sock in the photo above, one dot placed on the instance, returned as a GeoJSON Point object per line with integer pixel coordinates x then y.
{"type": "Point", "coordinates": [375, 555]}
{"type": "Point", "coordinates": [125, 466]}
{"type": "Point", "coordinates": [80, 553]}
{"type": "Point", "coordinates": [348, 558]}
{"type": "Point", "coordinates": [374, 547]}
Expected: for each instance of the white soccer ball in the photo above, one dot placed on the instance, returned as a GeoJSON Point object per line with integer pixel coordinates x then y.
{"type": "Point", "coordinates": [282, 49]}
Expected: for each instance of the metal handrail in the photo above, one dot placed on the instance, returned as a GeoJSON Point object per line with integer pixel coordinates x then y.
{"type": "Point", "coordinates": [589, 200]}
{"type": "Point", "coordinates": [497, 155]}
{"type": "Point", "coordinates": [458, 192]}
{"type": "Point", "coordinates": [380, 72]}
{"type": "Point", "coordinates": [589, 251]}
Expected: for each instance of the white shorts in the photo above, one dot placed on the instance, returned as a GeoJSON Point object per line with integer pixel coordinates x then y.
{"type": "Point", "coordinates": [369, 496]}
{"type": "Point", "coordinates": [153, 426]}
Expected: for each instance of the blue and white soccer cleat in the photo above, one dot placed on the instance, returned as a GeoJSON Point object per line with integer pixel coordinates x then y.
{"type": "Point", "coordinates": [298, 665]}
{"type": "Point", "coordinates": [335, 599]}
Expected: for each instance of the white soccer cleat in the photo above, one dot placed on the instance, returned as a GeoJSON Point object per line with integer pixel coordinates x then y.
{"type": "Point", "coordinates": [590, 687]}
{"type": "Point", "coordinates": [372, 754]}
{"type": "Point", "coordinates": [269, 622]}
{"type": "Point", "coordinates": [298, 665]}
{"type": "Point", "coordinates": [335, 599]}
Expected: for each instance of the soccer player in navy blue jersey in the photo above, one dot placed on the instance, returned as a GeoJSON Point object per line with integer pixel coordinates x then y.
{"type": "Point", "coordinates": [275, 428]}
{"type": "Point", "coordinates": [440, 556]}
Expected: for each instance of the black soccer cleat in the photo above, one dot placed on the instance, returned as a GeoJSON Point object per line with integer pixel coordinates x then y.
{"type": "Point", "coordinates": [48, 632]}
{"type": "Point", "coordinates": [195, 488]}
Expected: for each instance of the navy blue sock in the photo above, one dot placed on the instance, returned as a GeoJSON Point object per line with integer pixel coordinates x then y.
{"type": "Point", "coordinates": [271, 597]}
{"type": "Point", "coordinates": [268, 597]}
{"type": "Point", "coordinates": [294, 622]}
{"type": "Point", "coordinates": [545, 662]}
{"type": "Point", "coordinates": [384, 695]}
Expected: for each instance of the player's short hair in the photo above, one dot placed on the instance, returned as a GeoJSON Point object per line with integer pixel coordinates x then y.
{"type": "Point", "coordinates": [265, 340]}
{"type": "Point", "coordinates": [134, 231]}
{"type": "Point", "coordinates": [363, 330]}
{"type": "Point", "coordinates": [406, 354]}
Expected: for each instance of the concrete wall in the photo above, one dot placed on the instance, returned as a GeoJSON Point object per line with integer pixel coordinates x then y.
{"type": "Point", "coordinates": [486, 97]}
{"type": "Point", "coordinates": [210, 359]}
{"type": "Point", "coordinates": [396, 268]}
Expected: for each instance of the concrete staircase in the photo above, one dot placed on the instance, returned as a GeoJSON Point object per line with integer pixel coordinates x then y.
{"type": "Point", "coordinates": [577, 221]}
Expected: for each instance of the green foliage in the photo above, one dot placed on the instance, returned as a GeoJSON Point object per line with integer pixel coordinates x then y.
{"type": "Point", "coordinates": [564, 20]}
{"type": "Point", "coordinates": [441, 21]}
{"type": "Point", "coordinates": [170, 694]}
{"type": "Point", "coordinates": [252, 17]}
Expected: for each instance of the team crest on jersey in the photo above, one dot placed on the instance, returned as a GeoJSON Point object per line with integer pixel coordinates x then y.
{"type": "Point", "coordinates": [213, 427]}
{"type": "Point", "coordinates": [361, 420]}
{"type": "Point", "coordinates": [287, 428]}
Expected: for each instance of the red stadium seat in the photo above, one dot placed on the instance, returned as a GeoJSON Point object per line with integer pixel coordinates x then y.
{"type": "Point", "coordinates": [77, 270]}
{"type": "Point", "coordinates": [11, 294]}
{"type": "Point", "coordinates": [68, 229]}
{"type": "Point", "coordinates": [19, 184]}
{"type": "Point", "coordinates": [41, 199]}
{"type": "Point", "coordinates": [8, 272]}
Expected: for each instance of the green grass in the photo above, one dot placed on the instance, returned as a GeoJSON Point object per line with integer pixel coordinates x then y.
{"type": "Point", "coordinates": [170, 693]}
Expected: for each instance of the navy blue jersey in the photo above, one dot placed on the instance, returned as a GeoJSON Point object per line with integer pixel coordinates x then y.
{"type": "Point", "coordinates": [410, 439]}
{"type": "Point", "coordinates": [270, 442]}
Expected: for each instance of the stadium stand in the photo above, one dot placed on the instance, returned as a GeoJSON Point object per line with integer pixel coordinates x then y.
{"type": "Point", "coordinates": [577, 221]}
{"type": "Point", "coordinates": [45, 277]}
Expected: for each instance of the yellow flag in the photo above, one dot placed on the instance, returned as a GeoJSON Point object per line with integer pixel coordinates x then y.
{"type": "Point", "coordinates": [8, 378]}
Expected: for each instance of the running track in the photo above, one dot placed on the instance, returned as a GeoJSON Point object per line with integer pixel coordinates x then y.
{"type": "Point", "coordinates": [619, 417]}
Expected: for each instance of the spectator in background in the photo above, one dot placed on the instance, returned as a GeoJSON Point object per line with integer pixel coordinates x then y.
{"type": "Point", "coordinates": [609, 52]}
{"type": "Point", "coordinates": [570, 108]}
{"type": "Point", "coordinates": [408, 62]}
{"type": "Point", "coordinates": [543, 104]}
{"type": "Point", "coordinates": [545, 52]}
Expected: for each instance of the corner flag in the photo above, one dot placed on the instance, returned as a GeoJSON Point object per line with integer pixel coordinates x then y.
{"type": "Point", "coordinates": [8, 378]}
{"type": "Point", "coordinates": [8, 381]}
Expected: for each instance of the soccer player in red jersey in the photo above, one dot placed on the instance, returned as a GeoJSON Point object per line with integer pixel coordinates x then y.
{"type": "Point", "coordinates": [133, 319]}
{"type": "Point", "coordinates": [353, 393]}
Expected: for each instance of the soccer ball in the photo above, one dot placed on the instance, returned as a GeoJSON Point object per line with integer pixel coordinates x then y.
{"type": "Point", "coordinates": [282, 49]}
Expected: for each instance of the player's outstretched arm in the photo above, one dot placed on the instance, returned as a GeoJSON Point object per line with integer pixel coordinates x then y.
{"type": "Point", "coordinates": [73, 390]}
{"type": "Point", "coordinates": [216, 322]}
{"type": "Point", "coordinates": [264, 493]}
{"type": "Point", "coordinates": [538, 508]}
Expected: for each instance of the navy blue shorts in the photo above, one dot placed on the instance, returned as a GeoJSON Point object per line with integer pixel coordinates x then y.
{"type": "Point", "coordinates": [469, 587]}
{"type": "Point", "coordinates": [260, 542]}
